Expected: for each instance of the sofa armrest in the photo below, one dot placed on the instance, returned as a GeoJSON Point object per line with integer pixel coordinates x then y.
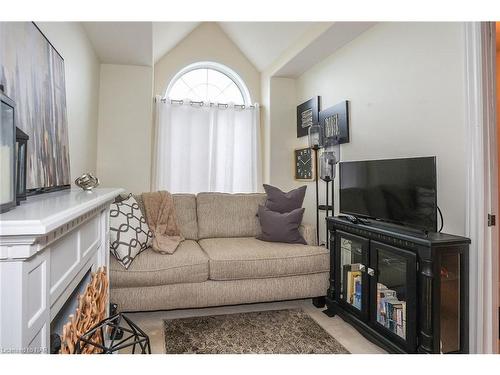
{"type": "Point", "coordinates": [308, 231]}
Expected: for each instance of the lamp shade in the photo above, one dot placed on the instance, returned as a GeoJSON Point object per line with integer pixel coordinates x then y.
{"type": "Point", "coordinates": [327, 162]}
{"type": "Point", "coordinates": [315, 136]}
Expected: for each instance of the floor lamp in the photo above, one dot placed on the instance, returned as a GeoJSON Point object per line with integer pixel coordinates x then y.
{"type": "Point", "coordinates": [327, 161]}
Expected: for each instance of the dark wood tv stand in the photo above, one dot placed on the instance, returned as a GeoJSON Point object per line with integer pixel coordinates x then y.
{"type": "Point", "coordinates": [405, 290]}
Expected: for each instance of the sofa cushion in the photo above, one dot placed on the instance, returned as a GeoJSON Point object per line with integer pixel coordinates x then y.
{"type": "Point", "coordinates": [228, 215]}
{"type": "Point", "coordinates": [189, 264]}
{"type": "Point", "coordinates": [248, 258]}
{"type": "Point", "coordinates": [185, 212]}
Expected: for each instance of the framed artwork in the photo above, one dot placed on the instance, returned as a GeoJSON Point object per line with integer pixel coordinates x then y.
{"type": "Point", "coordinates": [303, 164]}
{"type": "Point", "coordinates": [32, 73]}
{"type": "Point", "coordinates": [335, 124]}
{"type": "Point", "coordinates": [307, 114]}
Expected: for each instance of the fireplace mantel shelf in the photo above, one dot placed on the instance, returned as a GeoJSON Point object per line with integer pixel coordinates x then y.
{"type": "Point", "coordinates": [41, 214]}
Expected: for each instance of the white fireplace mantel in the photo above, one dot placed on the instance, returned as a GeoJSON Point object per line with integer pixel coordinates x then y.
{"type": "Point", "coordinates": [47, 245]}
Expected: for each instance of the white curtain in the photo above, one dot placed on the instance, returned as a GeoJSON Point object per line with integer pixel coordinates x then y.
{"type": "Point", "coordinates": [207, 148]}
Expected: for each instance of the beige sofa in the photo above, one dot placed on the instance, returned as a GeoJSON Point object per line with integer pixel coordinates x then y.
{"type": "Point", "coordinates": [220, 262]}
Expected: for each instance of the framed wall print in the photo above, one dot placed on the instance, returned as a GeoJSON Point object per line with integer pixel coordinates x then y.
{"type": "Point", "coordinates": [335, 124]}
{"type": "Point", "coordinates": [303, 164]}
{"type": "Point", "coordinates": [33, 75]}
{"type": "Point", "coordinates": [307, 114]}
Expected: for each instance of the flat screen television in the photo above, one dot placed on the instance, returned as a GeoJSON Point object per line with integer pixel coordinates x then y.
{"type": "Point", "coordinates": [399, 191]}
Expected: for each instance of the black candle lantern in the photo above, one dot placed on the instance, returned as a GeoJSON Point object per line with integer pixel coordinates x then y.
{"type": "Point", "coordinates": [7, 155]}
{"type": "Point", "coordinates": [21, 156]}
{"type": "Point", "coordinates": [328, 161]}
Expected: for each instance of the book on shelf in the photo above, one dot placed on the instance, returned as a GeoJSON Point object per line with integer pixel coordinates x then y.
{"type": "Point", "coordinates": [383, 293]}
{"type": "Point", "coordinates": [391, 312]}
{"type": "Point", "coordinates": [357, 291]}
{"type": "Point", "coordinates": [352, 278]}
{"type": "Point", "coordinates": [352, 281]}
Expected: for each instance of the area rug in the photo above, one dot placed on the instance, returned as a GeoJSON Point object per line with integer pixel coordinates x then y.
{"type": "Point", "coordinates": [264, 332]}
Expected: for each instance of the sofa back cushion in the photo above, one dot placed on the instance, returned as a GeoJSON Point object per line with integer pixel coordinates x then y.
{"type": "Point", "coordinates": [228, 215]}
{"type": "Point", "coordinates": [185, 212]}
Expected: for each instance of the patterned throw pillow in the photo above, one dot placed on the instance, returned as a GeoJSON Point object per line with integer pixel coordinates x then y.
{"type": "Point", "coordinates": [128, 231]}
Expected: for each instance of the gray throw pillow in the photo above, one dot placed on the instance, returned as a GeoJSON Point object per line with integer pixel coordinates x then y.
{"type": "Point", "coordinates": [282, 202]}
{"type": "Point", "coordinates": [281, 227]}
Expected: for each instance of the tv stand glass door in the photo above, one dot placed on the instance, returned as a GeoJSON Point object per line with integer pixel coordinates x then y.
{"type": "Point", "coordinates": [353, 284]}
{"type": "Point", "coordinates": [393, 293]}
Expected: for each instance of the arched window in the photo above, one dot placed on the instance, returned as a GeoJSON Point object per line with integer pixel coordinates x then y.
{"type": "Point", "coordinates": [206, 147]}
{"type": "Point", "coordinates": [208, 82]}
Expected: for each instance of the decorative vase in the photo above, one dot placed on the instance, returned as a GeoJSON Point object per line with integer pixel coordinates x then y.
{"type": "Point", "coordinates": [87, 182]}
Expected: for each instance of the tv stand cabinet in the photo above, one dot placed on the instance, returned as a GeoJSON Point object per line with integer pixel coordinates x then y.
{"type": "Point", "coordinates": [406, 291]}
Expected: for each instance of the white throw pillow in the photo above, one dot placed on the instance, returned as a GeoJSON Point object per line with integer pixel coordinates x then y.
{"type": "Point", "coordinates": [128, 231]}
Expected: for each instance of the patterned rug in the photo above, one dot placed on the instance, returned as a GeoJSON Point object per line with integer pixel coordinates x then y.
{"type": "Point", "coordinates": [265, 332]}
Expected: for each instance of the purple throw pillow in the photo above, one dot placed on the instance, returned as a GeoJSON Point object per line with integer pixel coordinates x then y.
{"type": "Point", "coordinates": [281, 227]}
{"type": "Point", "coordinates": [282, 202]}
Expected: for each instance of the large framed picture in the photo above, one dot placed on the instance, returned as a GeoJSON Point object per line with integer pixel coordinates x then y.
{"type": "Point", "coordinates": [303, 164]}
{"type": "Point", "coordinates": [335, 124]}
{"type": "Point", "coordinates": [32, 73]}
{"type": "Point", "coordinates": [307, 114]}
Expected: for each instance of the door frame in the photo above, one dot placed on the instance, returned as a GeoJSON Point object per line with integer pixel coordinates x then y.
{"type": "Point", "coordinates": [482, 184]}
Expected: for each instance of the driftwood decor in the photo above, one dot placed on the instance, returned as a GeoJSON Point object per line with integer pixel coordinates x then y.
{"type": "Point", "coordinates": [91, 310]}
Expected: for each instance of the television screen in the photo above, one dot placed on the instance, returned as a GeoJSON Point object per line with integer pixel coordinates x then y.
{"type": "Point", "coordinates": [401, 191]}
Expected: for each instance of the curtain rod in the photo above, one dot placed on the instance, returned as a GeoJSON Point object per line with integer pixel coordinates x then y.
{"type": "Point", "coordinates": [225, 105]}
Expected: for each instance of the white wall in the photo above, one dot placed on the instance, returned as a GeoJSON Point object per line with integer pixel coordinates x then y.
{"type": "Point", "coordinates": [82, 91]}
{"type": "Point", "coordinates": [124, 135]}
{"type": "Point", "coordinates": [405, 82]}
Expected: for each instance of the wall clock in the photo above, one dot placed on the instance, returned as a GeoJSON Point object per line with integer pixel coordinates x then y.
{"type": "Point", "coordinates": [303, 164]}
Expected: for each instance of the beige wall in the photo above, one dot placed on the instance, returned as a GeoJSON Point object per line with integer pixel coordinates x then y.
{"type": "Point", "coordinates": [124, 135]}
{"type": "Point", "coordinates": [82, 91]}
{"type": "Point", "coordinates": [405, 83]}
{"type": "Point", "coordinates": [206, 43]}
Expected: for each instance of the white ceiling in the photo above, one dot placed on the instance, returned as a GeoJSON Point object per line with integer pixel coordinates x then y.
{"type": "Point", "coordinates": [338, 35]}
{"type": "Point", "coordinates": [166, 35]}
{"type": "Point", "coordinates": [127, 43]}
{"type": "Point", "coordinates": [144, 43]}
{"type": "Point", "coordinates": [264, 42]}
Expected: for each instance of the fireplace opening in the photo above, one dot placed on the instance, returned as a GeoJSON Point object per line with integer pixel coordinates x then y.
{"type": "Point", "coordinates": [86, 306]}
